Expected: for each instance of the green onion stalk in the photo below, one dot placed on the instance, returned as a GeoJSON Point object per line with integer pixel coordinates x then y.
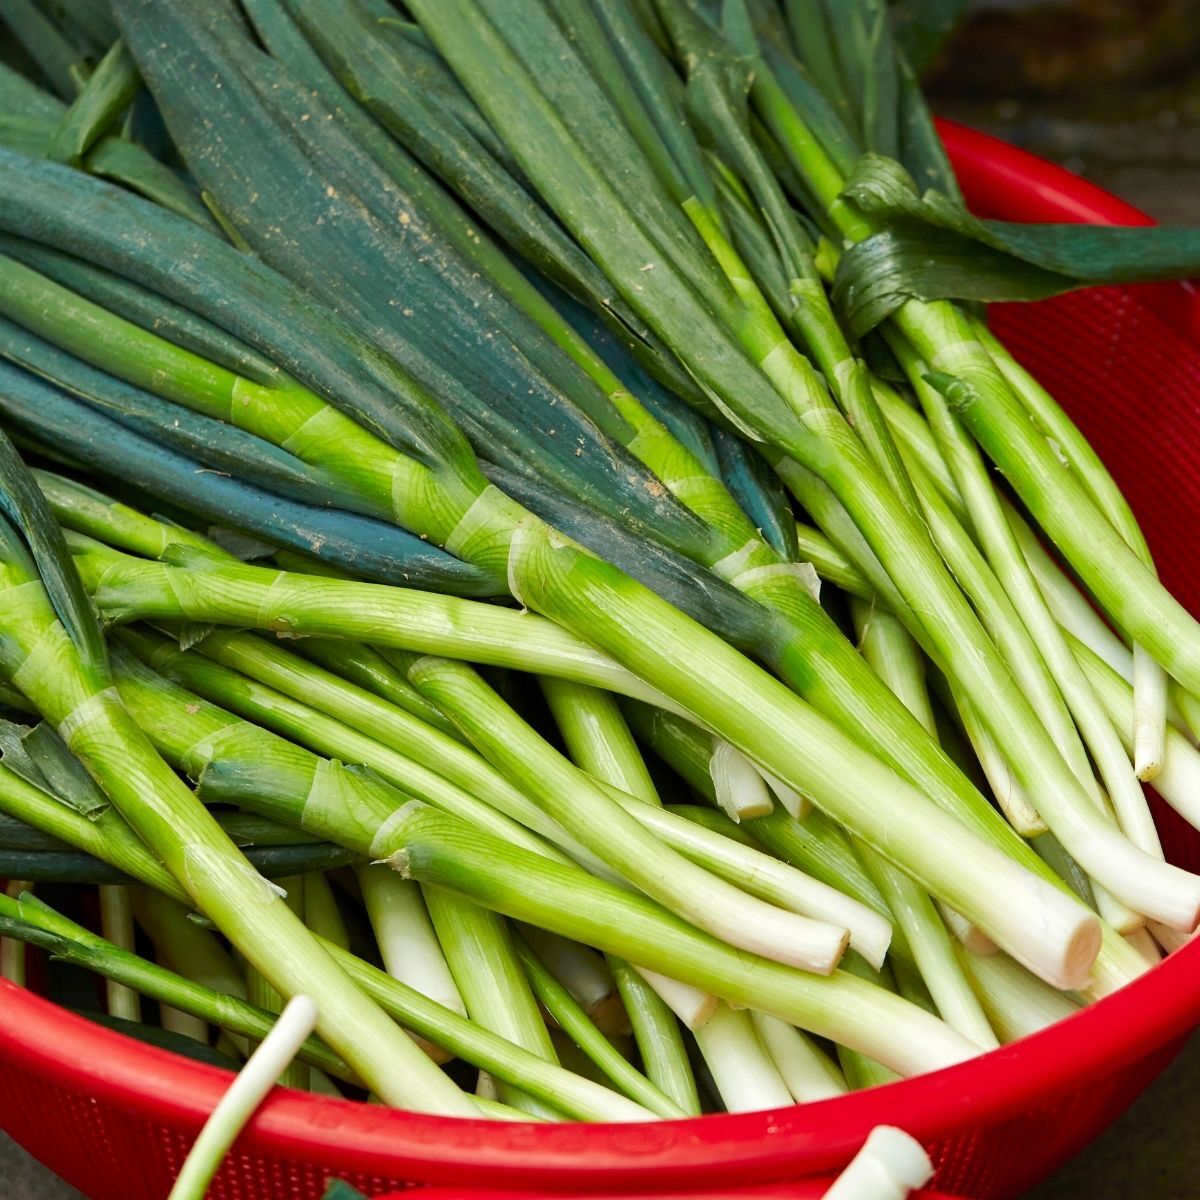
{"type": "Point", "coordinates": [740, 790]}
{"type": "Point", "coordinates": [260, 992]}
{"type": "Point", "coordinates": [407, 943]}
{"type": "Point", "coordinates": [614, 832]}
{"type": "Point", "coordinates": [1150, 678]}
{"type": "Point", "coordinates": [75, 694]}
{"type": "Point", "coordinates": [1013, 639]}
{"type": "Point", "coordinates": [600, 742]}
{"type": "Point", "coordinates": [206, 962]}
{"type": "Point", "coordinates": [440, 850]}
{"type": "Point", "coordinates": [1081, 509]}
{"type": "Point", "coordinates": [768, 387]}
{"type": "Point", "coordinates": [892, 653]}
{"type": "Point", "coordinates": [1179, 773]}
{"type": "Point", "coordinates": [12, 951]}
{"type": "Point", "coordinates": [658, 1037]}
{"type": "Point", "coordinates": [570, 1017]}
{"type": "Point", "coordinates": [187, 947]}
{"type": "Point", "coordinates": [554, 576]}
{"type": "Point", "coordinates": [306, 725]}
{"type": "Point", "coordinates": [239, 762]}
{"type": "Point", "coordinates": [1003, 551]}
{"type": "Point", "coordinates": [745, 1075]}
{"type": "Point", "coordinates": [321, 912]}
{"type": "Point", "coordinates": [82, 508]}
{"type": "Point", "coordinates": [487, 970]}
{"type": "Point", "coordinates": [815, 845]}
{"type": "Point", "coordinates": [436, 676]}
{"type": "Point", "coordinates": [235, 760]}
{"type": "Point", "coordinates": [272, 1059]}
{"type": "Point", "coordinates": [245, 595]}
{"type": "Point", "coordinates": [806, 1070]}
{"type": "Point", "coordinates": [717, 848]}
{"type": "Point", "coordinates": [597, 738]}
{"type": "Point", "coordinates": [65, 940]}
{"type": "Point", "coordinates": [372, 671]}
{"type": "Point", "coordinates": [116, 922]}
{"type": "Point", "coordinates": [105, 836]}
{"type": "Point", "coordinates": [585, 974]}
{"type": "Point", "coordinates": [1017, 1003]}
{"type": "Point", "coordinates": [352, 63]}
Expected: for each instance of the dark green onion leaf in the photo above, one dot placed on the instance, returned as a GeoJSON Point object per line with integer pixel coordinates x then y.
{"type": "Point", "coordinates": [509, 386]}
{"type": "Point", "coordinates": [758, 490]}
{"type": "Point", "coordinates": [143, 307]}
{"type": "Point", "coordinates": [44, 42]}
{"type": "Point", "coordinates": [108, 92]}
{"type": "Point", "coordinates": [68, 210]}
{"type": "Point", "coordinates": [272, 862]}
{"type": "Point", "coordinates": [65, 775]}
{"type": "Point", "coordinates": [213, 443]}
{"type": "Point", "coordinates": [705, 597]}
{"type": "Point", "coordinates": [931, 248]}
{"type": "Point", "coordinates": [15, 834]}
{"type": "Point", "coordinates": [86, 22]}
{"type": "Point", "coordinates": [23, 503]}
{"type": "Point", "coordinates": [37, 755]}
{"type": "Point", "coordinates": [922, 27]}
{"type": "Point", "coordinates": [22, 97]}
{"type": "Point", "coordinates": [374, 549]}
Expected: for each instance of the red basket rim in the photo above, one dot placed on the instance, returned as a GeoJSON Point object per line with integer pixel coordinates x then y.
{"type": "Point", "coordinates": [714, 1151]}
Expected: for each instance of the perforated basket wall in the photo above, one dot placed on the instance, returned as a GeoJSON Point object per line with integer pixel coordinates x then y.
{"type": "Point", "coordinates": [116, 1117]}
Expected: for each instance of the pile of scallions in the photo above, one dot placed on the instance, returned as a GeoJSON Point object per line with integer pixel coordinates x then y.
{"type": "Point", "coordinates": [515, 528]}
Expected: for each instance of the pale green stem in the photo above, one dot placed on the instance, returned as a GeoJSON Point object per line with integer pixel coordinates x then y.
{"type": "Point", "coordinates": [407, 943]}
{"type": "Point", "coordinates": [579, 1027]}
{"type": "Point", "coordinates": [440, 850]}
{"type": "Point", "coordinates": [12, 952]}
{"type": "Point", "coordinates": [107, 836]}
{"type": "Point", "coordinates": [82, 705]}
{"type": "Point", "coordinates": [597, 738]}
{"type": "Point", "coordinates": [894, 656]}
{"type": "Point", "coordinates": [999, 543]}
{"type": "Point", "coordinates": [586, 810]}
{"type": "Point", "coordinates": [489, 977]}
{"type": "Point", "coordinates": [1017, 1003]}
{"type": "Point", "coordinates": [321, 912]}
{"type": "Point", "coordinates": [116, 921]}
{"type": "Point", "coordinates": [806, 1070]}
{"type": "Point", "coordinates": [1150, 680]}
{"type": "Point", "coordinates": [246, 1093]}
{"type": "Point", "coordinates": [585, 974]}
{"type": "Point", "coordinates": [658, 1037]}
{"type": "Point", "coordinates": [746, 1077]}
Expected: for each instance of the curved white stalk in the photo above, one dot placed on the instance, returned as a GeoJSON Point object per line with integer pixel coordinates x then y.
{"type": "Point", "coordinates": [245, 1094]}
{"type": "Point", "coordinates": [890, 1165]}
{"type": "Point", "coordinates": [740, 789]}
{"type": "Point", "coordinates": [743, 1071]}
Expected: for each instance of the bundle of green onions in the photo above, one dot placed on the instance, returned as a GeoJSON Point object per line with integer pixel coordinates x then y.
{"type": "Point", "coordinates": [497, 536]}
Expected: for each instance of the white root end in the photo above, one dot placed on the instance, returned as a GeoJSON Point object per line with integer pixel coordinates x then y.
{"type": "Point", "coordinates": [890, 1165]}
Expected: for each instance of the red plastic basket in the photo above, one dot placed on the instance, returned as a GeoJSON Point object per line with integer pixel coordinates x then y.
{"type": "Point", "coordinates": [116, 1117]}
